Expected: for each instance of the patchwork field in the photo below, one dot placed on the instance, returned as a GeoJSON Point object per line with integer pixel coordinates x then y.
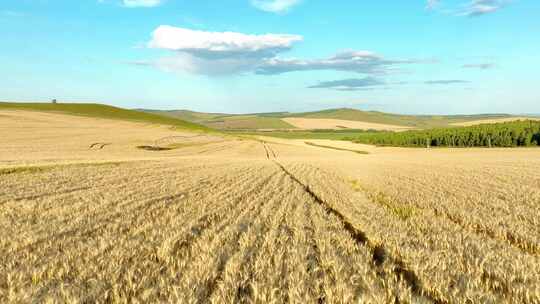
{"type": "Point", "coordinates": [321, 123]}
{"type": "Point", "coordinates": [343, 118]}
{"type": "Point", "coordinates": [98, 210]}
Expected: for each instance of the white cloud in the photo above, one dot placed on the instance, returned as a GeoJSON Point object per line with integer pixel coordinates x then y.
{"type": "Point", "coordinates": [220, 44]}
{"type": "Point", "coordinates": [220, 53]}
{"type": "Point", "coordinates": [482, 7]}
{"type": "Point", "coordinates": [472, 8]}
{"type": "Point", "coordinates": [141, 3]}
{"type": "Point", "coordinates": [275, 6]}
{"type": "Point", "coordinates": [214, 53]}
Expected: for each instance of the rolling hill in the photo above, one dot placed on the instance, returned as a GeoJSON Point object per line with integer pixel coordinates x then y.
{"type": "Point", "coordinates": [104, 111]}
{"type": "Point", "coordinates": [343, 118]}
{"type": "Point", "coordinates": [337, 119]}
{"type": "Point", "coordinates": [416, 121]}
{"type": "Point", "coordinates": [222, 121]}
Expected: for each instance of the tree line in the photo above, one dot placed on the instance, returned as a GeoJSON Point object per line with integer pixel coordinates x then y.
{"type": "Point", "coordinates": [509, 134]}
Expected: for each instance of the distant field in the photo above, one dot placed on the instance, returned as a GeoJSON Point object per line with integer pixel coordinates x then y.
{"type": "Point", "coordinates": [102, 111]}
{"type": "Point", "coordinates": [414, 121]}
{"type": "Point", "coordinates": [248, 122]}
{"type": "Point", "coordinates": [87, 217]}
{"type": "Point", "coordinates": [324, 123]}
{"type": "Point", "coordinates": [326, 119]}
{"type": "Point", "coordinates": [228, 121]}
{"type": "Point", "coordinates": [185, 115]}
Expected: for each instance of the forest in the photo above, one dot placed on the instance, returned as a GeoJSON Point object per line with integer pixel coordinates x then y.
{"type": "Point", "coordinates": [509, 134]}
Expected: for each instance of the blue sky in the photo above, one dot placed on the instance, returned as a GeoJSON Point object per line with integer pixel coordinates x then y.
{"type": "Point", "coordinates": [239, 56]}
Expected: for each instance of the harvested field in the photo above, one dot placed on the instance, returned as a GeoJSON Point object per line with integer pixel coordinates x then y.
{"type": "Point", "coordinates": [218, 219]}
{"type": "Point", "coordinates": [324, 123]}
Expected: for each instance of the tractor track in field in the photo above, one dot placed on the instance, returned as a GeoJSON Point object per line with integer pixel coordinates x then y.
{"type": "Point", "coordinates": [380, 255]}
{"type": "Point", "coordinates": [270, 153]}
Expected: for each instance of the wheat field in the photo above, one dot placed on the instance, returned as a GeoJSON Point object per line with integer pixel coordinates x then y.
{"type": "Point", "coordinates": [87, 217]}
{"type": "Point", "coordinates": [327, 123]}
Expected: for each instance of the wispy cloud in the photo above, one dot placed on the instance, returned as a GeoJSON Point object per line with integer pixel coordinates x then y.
{"type": "Point", "coordinates": [481, 66]}
{"type": "Point", "coordinates": [141, 3]}
{"type": "Point", "coordinates": [275, 6]}
{"type": "Point", "coordinates": [352, 84]}
{"type": "Point", "coordinates": [363, 62]}
{"type": "Point", "coordinates": [472, 8]}
{"type": "Point", "coordinates": [483, 7]}
{"type": "Point", "coordinates": [446, 82]}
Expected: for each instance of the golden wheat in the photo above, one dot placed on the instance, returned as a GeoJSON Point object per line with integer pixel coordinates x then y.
{"type": "Point", "coordinates": [223, 220]}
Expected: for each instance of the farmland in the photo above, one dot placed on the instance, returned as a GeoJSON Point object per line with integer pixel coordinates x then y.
{"type": "Point", "coordinates": [336, 119]}
{"type": "Point", "coordinates": [86, 216]}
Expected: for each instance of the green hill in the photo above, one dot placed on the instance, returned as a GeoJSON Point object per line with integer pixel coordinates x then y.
{"type": "Point", "coordinates": [103, 111]}
{"type": "Point", "coordinates": [184, 114]}
{"type": "Point", "coordinates": [417, 121]}
{"type": "Point", "coordinates": [228, 121]}
{"type": "Point", "coordinates": [275, 120]}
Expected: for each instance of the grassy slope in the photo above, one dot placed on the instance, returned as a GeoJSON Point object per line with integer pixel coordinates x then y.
{"type": "Point", "coordinates": [228, 121]}
{"type": "Point", "coordinates": [248, 122]}
{"type": "Point", "coordinates": [103, 111]}
{"type": "Point", "coordinates": [190, 116]}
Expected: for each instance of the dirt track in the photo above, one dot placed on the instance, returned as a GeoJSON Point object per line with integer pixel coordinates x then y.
{"type": "Point", "coordinates": [228, 220]}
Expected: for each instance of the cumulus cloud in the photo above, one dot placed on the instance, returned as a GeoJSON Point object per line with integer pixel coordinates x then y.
{"type": "Point", "coordinates": [352, 84]}
{"type": "Point", "coordinates": [141, 3]}
{"type": "Point", "coordinates": [444, 82]}
{"type": "Point", "coordinates": [275, 6]}
{"type": "Point", "coordinates": [350, 61]}
{"type": "Point", "coordinates": [212, 45]}
{"type": "Point", "coordinates": [481, 66]}
{"type": "Point", "coordinates": [216, 53]}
